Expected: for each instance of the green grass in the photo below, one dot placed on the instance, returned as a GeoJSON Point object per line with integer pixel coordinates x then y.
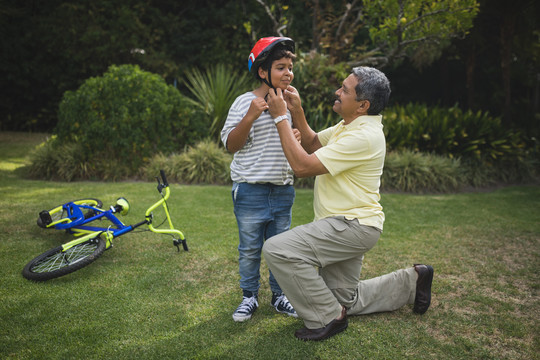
{"type": "Point", "coordinates": [144, 300]}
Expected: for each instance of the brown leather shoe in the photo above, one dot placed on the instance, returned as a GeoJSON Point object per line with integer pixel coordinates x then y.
{"type": "Point", "coordinates": [334, 327]}
{"type": "Point", "coordinates": [423, 288]}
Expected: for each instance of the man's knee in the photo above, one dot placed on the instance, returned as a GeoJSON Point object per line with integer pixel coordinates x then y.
{"type": "Point", "coordinates": [268, 248]}
{"type": "Point", "coordinates": [271, 247]}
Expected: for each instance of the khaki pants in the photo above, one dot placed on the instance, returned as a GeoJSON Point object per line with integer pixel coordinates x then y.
{"type": "Point", "coordinates": [318, 266]}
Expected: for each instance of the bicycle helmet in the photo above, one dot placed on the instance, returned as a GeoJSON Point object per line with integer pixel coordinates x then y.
{"type": "Point", "coordinates": [263, 48]}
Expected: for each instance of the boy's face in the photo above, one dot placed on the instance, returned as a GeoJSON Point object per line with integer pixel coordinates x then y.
{"type": "Point", "coordinates": [282, 74]}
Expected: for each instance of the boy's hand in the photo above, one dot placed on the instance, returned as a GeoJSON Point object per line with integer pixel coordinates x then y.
{"type": "Point", "coordinates": [297, 135]}
{"type": "Point", "coordinates": [258, 105]}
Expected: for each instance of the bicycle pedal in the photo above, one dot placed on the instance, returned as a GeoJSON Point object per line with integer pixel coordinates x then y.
{"type": "Point", "coordinates": [45, 219]}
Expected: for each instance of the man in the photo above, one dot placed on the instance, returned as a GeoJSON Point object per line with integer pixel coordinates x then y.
{"type": "Point", "coordinates": [318, 264]}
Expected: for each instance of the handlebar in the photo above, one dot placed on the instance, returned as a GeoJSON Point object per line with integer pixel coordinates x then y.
{"type": "Point", "coordinates": [163, 183]}
{"type": "Point", "coordinates": [163, 178]}
{"type": "Point", "coordinates": [178, 236]}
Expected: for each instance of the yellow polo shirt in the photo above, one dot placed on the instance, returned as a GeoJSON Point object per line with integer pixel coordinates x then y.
{"type": "Point", "coordinates": [354, 156]}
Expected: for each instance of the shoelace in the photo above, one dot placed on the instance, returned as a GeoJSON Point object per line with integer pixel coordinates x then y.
{"type": "Point", "coordinates": [285, 302]}
{"type": "Point", "coordinates": [247, 305]}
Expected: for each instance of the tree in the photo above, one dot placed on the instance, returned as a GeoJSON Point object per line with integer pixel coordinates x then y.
{"type": "Point", "coordinates": [384, 32]}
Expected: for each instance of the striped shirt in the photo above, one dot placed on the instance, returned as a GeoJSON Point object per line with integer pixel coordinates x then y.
{"type": "Point", "coordinates": [261, 160]}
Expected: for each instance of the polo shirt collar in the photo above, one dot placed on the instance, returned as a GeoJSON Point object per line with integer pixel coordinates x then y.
{"type": "Point", "coordinates": [363, 119]}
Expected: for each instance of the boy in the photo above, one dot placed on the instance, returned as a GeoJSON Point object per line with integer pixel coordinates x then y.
{"type": "Point", "coordinates": [262, 189]}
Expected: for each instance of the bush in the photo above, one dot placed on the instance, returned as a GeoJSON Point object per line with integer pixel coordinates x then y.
{"type": "Point", "coordinates": [409, 171]}
{"type": "Point", "coordinates": [123, 117]}
{"type": "Point", "coordinates": [215, 92]}
{"type": "Point", "coordinates": [204, 163]}
{"type": "Point", "coordinates": [53, 160]}
{"type": "Point", "coordinates": [450, 132]}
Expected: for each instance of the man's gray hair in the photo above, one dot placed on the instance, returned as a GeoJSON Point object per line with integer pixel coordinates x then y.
{"type": "Point", "coordinates": [372, 86]}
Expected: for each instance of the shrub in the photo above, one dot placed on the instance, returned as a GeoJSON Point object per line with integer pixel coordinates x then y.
{"type": "Point", "coordinates": [479, 173]}
{"type": "Point", "coordinates": [450, 132]}
{"type": "Point", "coordinates": [214, 92]}
{"type": "Point", "coordinates": [409, 171]}
{"type": "Point", "coordinates": [53, 160]}
{"type": "Point", "coordinates": [204, 163]}
{"type": "Point", "coordinates": [123, 117]}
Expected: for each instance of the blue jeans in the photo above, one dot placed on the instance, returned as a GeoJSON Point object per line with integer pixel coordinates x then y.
{"type": "Point", "coordinates": [262, 211]}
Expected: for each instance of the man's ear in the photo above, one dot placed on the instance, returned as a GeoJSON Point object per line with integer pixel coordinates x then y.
{"type": "Point", "coordinates": [363, 107]}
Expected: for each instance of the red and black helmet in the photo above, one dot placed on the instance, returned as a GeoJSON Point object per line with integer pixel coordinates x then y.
{"type": "Point", "coordinates": [263, 47]}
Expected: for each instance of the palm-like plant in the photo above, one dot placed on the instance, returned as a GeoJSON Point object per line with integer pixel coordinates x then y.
{"type": "Point", "coordinates": [215, 91]}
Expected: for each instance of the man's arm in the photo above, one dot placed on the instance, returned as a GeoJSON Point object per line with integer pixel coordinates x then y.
{"type": "Point", "coordinates": [310, 140]}
{"type": "Point", "coordinates": [302, 163]}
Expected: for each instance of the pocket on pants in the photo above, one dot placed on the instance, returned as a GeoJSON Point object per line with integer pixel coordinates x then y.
{"type": "Point", "coordinates": [234, 191]}
{"type": "Point", "coordinates": [338, 223]}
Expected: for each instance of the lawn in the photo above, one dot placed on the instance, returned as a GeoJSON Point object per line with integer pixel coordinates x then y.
{"type": "Point", "coordinates": [144, 300]}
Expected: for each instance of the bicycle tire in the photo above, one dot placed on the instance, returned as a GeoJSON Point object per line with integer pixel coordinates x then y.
{"type": "Point", "coordinates": [56, 262]}
{"type": "Point", "coordinates": [58, 212]}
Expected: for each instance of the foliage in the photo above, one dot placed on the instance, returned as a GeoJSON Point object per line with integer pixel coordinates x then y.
{"type": "Point", "coordinates": [277, 13]}
{"type": "Point", "coordinates": [127, 114]}
{"type": "Point", "coordinates": [214, 92]}
{"type": "Point", "coordinates": [317, 79]}
{"type": "Point", "coordinates": [204, 163]}
{"type": "Point", "coordinates": [508, 170]}
{"type": "Point", "coordinates": [417, 30]}
{"type": "Point", "coordinates": [408, 171]}
{"type": "Point", "coordinates": [451, 132]}
{"type": "Point", "coordinates": [53, 160]}
{"type": "Point", "coordinates": [55, 45]}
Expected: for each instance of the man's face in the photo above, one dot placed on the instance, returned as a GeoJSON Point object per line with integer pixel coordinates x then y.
{"type": "Point", "coordinates": [346, 104]}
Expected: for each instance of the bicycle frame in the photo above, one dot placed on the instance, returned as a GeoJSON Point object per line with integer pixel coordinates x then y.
{"type": "Point", "coordinates": [77, 224]}
{"type": "Point", "coordinates": [78, 217]}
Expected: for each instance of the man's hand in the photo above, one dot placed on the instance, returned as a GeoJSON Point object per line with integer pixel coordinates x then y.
{"type": "Point", "coordinates": [276, 104]}
{"type": "Point", "coordinates": [292, 97]}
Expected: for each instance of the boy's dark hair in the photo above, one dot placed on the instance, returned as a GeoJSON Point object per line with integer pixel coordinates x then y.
{"type": "Point", "coordinates": [279, 52]}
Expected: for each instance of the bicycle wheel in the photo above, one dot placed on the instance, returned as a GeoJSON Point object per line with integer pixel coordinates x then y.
{"type": "Point", "coordinates": [58, 212]}
{"type": "Point", "coordinates": [56, 262]}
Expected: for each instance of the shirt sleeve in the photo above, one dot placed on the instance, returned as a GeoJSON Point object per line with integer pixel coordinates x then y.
{"type": "Point", "coordinates": [325, 135]}
{"type": "Point", "coordinates": [235, 115]}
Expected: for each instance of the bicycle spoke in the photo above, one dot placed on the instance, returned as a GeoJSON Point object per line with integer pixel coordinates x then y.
{"type": "Point", "coordinates": [68, 257]}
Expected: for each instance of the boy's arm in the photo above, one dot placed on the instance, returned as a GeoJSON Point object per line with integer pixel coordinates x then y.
{"type": "Point", "coordinates": [238, 136]}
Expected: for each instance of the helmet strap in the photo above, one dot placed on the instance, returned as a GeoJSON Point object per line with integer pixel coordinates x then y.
{"type": "Point", "coordinates": [269, 81]}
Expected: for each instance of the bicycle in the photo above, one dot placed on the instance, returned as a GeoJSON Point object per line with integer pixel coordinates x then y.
{"type": "Point", "coordinates": [76, 217]}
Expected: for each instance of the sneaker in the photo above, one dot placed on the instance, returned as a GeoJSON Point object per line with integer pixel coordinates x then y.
{"type": "Point", "coordinates": [282, 305]}
{"type": "Point", "coordinates": [245, 309]}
